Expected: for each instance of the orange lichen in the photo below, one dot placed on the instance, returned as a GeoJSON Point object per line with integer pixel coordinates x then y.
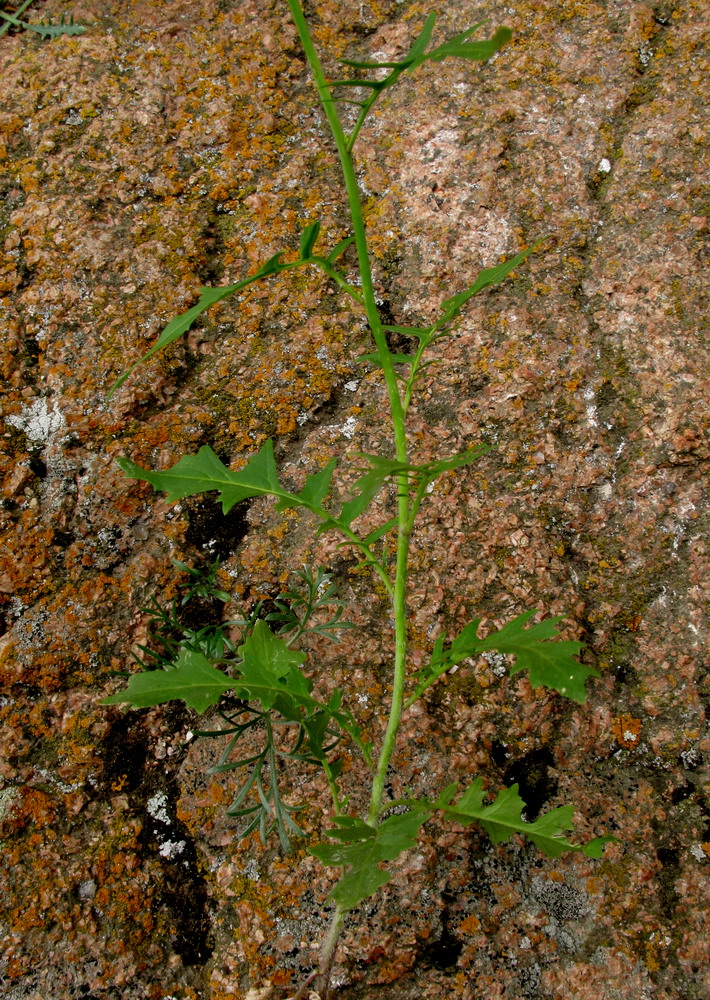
{"type": "Point", "coordinates": [626, 730]}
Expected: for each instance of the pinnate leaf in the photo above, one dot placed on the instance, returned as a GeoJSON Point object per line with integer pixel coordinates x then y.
{"type": "Point", "coordinates": [205, 472]}
{"type": "Point", "coordinates": [269, 673]}
{"type": "Point", "coordinates": [361, 849]}
{"type": "Point", "coordinates": [503, 817]}
{"type": "Point", "coordinates": [49, 30]}
{"type": "Point", "coordinates": [550, 663]}
{"type": "Point", "coordinates": [191, 679]}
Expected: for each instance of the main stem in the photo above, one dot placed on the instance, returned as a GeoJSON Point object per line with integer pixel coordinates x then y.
{"type": "Point", "coordinates": [400, 443]}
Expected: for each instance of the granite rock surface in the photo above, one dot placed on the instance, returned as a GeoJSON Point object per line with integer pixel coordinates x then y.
{"type": "Point", "coordinates": [175, 145]}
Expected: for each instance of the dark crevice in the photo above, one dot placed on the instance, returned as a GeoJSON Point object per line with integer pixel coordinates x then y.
{"type": "Point", "coordinates": [125, 749]}
{"type": "Point", "coordinates": [213, 242]}
{"type": "Point", "coordinates": [535, 784]}
{"type": "Point", "coordinates": [200, 613]}
{"type": "Point", "coordinates": [182, 890]}
{"type": "Point", "coordinates": [668, 895]}
{"type": "Point", "coordinates": [37, 466]}
{"type": "Point", "coordinates": [213, 532]}
{"type": "Point", "coordinates": [443, 953]}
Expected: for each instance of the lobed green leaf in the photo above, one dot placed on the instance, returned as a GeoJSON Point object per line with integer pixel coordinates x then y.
{"type": "Point", "coordinates": [191, 679]}
{"type": "Point", "coordinates": [315, 490]}
{"type": "Point", "coordinates": [478, 51]}
{"type": "Point", "coordinates": [550, 663]}
{"type": "Point", "coordinates": [503, 817]}
{"type": "Point", "coordinates": [49, 30]}
{"type": "Point", "coordinates": [269, 673]}
{"type": "Point", "coordinates": [361, 849]}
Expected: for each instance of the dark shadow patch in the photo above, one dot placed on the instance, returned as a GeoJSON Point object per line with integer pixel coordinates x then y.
{"type": "Point", "coordinates": [201, 612]}
{"type": "Point", "coordinates": [38, 467]}
{"type": "Point", "coordinates": [213, 532]}
{"type": "Point", "coordinates": [499, 753]}
{"type": "Point", "coordinates": [212, 273]}
{"type": "Point", "coordinates": [666, 878]}
{"type": "Point", "coordinates": [443, 953]}
{"type": "Point", "coordinates": [124, 754]}
{"type": "Point", "coordinates": [531, 773]}
{"type": "Point", "coordinates": [184, 895]}
{"type": "Point", "coordinates": [182, 890]}
{"type": "Point", "coordinates": [681, 794]}
{"type": "Point", "coordinates": [63, 539]}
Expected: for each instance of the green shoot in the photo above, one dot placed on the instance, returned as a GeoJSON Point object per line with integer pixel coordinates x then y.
{"type": "Point", "coordinates": [257, 685]}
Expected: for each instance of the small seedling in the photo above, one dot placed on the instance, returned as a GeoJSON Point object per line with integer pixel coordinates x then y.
{"type": "Point", "coordinates": [46, 29]}
{"type": "Point", "coordinates": [257, 683]}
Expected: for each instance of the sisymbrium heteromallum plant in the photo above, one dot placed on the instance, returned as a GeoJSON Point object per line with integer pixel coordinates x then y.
{"type": "Point", "coordinates": [264, 669]}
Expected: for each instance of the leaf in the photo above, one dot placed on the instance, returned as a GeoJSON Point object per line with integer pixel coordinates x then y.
{"type": "Point", "coordinates": [551, 664]}
{"type": "Point", "coordinates": [489, 276]}
{"type": "Point", "coordinates": [361, 850]}
{"type": "Point", "coordinates": [379, 532]}
{"type": "Point", "coordinates": [365, 65]}
{"type": "Point", "coordinates": [369, 486]}
{"type": "Point", "coordinates": [458, 461]}
{"type": "Point", "coordinates": [478, 51]}
{"type": "Point", "coordinates": [503, 817]}
{"type": "Point", "coordinates": [208, 297]}
{"type": "Point", "coordinates": [49, 30]}
{"type": "Point", "coordinates": [272, 266]}
{"type": "Point", "coordinates": [308, 239]}
{"type": "Point", "coordinates": [315, 490]}
{"type": "Point", "coordinates": [595, 848]}
{"type": "Point", "coordinates": [191, 679]}
{"type": "Point", "coordinates": [204, 471]}
{"type": "Point", "coordinates": [269, 673]}
{"type": "Point", "coordinates": [423, 38]}
{"type": "Point", "coordinates": [459, 49]}
{"type": "Point", "coordinates": [339, 249]}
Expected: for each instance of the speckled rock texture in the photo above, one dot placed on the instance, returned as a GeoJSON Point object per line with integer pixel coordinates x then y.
{"type": "Point", "coordinates": [178, 144]}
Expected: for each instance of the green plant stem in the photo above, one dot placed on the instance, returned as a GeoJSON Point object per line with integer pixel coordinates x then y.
{"type": "Point", "coordinates": [398, 592]}
{"type": "Point", "coordinates": [396, 408]}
